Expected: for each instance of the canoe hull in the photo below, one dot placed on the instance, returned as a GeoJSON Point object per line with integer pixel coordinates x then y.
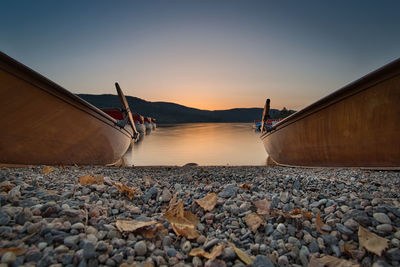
{"type": "Point", "coordinates": [357, 126]}
{"type": "Point", "coordinates": [42, 123]}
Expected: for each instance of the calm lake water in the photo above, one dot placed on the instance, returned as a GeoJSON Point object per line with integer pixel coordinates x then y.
{"type": "Point", "coordinates": [201, 143]}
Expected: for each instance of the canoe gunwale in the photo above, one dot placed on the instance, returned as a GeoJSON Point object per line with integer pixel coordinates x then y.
{"type": "Point", "coordinates": [39, 80]}
{"type": "Point", "coordinates": [353, 88]}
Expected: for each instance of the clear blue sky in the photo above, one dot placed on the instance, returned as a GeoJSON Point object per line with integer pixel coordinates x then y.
{"type": "Point", "coordinates": [203, 54]}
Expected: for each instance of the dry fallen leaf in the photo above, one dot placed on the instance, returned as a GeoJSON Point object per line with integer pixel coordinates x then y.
{"type": "Point", "coordinates": [132, 225]}
{"type": "Point", "coordinates": [208, 202]}
{"type": "Point", "coordinates": [246, 186]}
{"type": "Point", "coordinates": [330, 261]}
{"type": "Point", "coordinates": [253, 221]}
{"type": "Point", "coordinates": [182, 222]}
{"type": "Point", "coordinates": [16, 250]}
{"type": "Point", "coordinates": [91, 179]}
{"type": "Point", "coordinates": [372, 242]}
{"type": "Point", "coordinates": [263, 206]}
{"type": "Point", "coordinates": [151, 232]}
{"type": "Point", "coordinates": [304, 213]}
{"type": "Point", "coordinates": [47, 169]}
{"type": "Point", "coordinates": [242, 255]}
{"type": "Point", "coordinates": [124, 189]}
{"type": "Point", "coordinates": [319, 224]}
{"type": "Point", "coordinates": [216, 251]}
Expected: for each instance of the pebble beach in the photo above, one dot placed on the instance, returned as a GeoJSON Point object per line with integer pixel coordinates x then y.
{"type": "Point", "coordinates": [48, 218]}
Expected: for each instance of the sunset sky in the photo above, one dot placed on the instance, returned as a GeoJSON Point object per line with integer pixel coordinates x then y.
{"type": "Point", "coordinates": [203, 54]}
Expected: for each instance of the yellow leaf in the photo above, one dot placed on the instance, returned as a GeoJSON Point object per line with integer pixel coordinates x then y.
{"type": "Point", "coordinates": [124, 189]}
{"type": "Point", "coordinates": [208, 202]}
{"type": "Point", "coordinates": [372, 242]}
{"type": "Point", "coordinates": [330, 261]}
{"type": "Point", "coordinates": [246, 186]}
{"type": "Point", "coordinates": [263, 206]}
{"type": "Point", "coordinates": [91, 179]}
{"type": "Point", "coordinates": [151, 232]}
{"type": "Point", "coordinates": [16, 250]}
{"type": "Point", "coordinates": [242, 255]}
{"type": "Point", "coordinates": [182, 222]}
{"type": "Point", "coordinates": [132, 225]}
{"type": "Point", "coordinates": [47, 169]}
{"type": "Point", "coordinates": [216, 251]}
{"type": "Point", "coordinates": [304, 213]}
{"type": "Point", "coordinates": [253, 221]}
{"type": "Point", "coordinates": [319, 224]}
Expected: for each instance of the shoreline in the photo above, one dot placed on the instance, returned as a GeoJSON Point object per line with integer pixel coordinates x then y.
{"type": "Point", "coordinates": [63, 223]}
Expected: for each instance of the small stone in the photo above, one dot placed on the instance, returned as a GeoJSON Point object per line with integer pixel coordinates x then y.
{"type": "Point", "coordinates": [303, 255]}
{"type": "Point", "coordinates": [283, 261]}
{"type": "Point", "coordinates": [393, 254]}
{"type": "Point", "coordinates": [8, 257]}
{"type": "Point", "coordinates": [262, 261]}
{"type": "Point", "coordinates": [284, 197]}
{"type": "Point", "coordinates": [166, 195]}
{"type": "Point", "coordinates": [308, 238]}
{"type": "Point", "coordinates": [386, 228]}
{"type": "Point", "coordinates": [343, 229]}
{"type": "Point", "coordinates": [201, 239]}
{"type": "Point", "coordinates": [281, 228]}
{"type": "Point", "coordinates": [4, 218]}
{"type": "Point", "coordinates": [78, 226]}
{"type": "Point", "coordinates": [211, 243]}
{"type": "Point", "coordinates": [61, 249]}
{"type": "Point", "coordinates": [67, 258]}
{"type": "Point", "coordinates": [228, 254]}
{"type": "Point", "coordinates": [14, 194]}
{"type": "Point", "coordinates": [42, 245]}
{"type": "Point", "coordinates": [141, 248]}
{"type": "Point", "coordinates": [382, 218]}
{"type": "Point", "coordinates": [326, 228]}
{"type": "Point", "coordinates": [71, 240]}
{"type": "Point", "coordinates": [351, 224]}
{"type": "Point", "coordinates": [215, 263]}
{"type": "Point", "coordinates": [229, 191]}
{"type": "Point", "coordinates": [197, 262]}
{"type": "Point", "coordinates": [89, 251]}
{"type": "Point", "coordinates": [186, 247]}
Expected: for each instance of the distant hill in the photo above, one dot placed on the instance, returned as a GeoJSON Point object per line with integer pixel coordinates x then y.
{"type": "Point", "coordinates": [166, 112]}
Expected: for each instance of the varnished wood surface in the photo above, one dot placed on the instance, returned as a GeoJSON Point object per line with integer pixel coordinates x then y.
{"type": "Point", "coordinates": [356, 126]}
{"type": "Point", "coordinates": [42, 123]}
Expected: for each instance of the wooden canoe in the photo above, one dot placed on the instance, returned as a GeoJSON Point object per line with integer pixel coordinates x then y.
{"type": "Point", "coordinates": [356, 126]}
{"type": "Point", "coordinates": [43, 123]}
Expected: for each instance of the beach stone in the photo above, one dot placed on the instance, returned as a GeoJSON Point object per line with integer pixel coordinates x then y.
{"type": "Point", "coordinates": [8, 257]}
{"type": "Point", "coordinates": [71, 240]}
{"type": "Point", "coordinates": [215, 263]}
{"type": "Point", "coordinates": [166, 195]}
{"type": "Point", "coordinates": [386, 228]}
{"type": "Point", "coordinates": [343, 229]}
{"type": "Point", "coordinates": [197, 262]}
{"type": "Point", "coordinates": [393, 254]}
{"type": "Point", "coordinates": [211, 243]}
{"type": "Point", "coordinates": [150, 194]}
{"type": "Point", "coordinates": [141, 248]}
{"type": "Point", "coordinates": [229, 191]}
{"type": "Point", "coordinates": [382, 218]}
{"type": "Point", "coordinates": [284, 197]}
{"type": "Point", "coordinates": [89, 250]}
{"type": "Point", "coordinates": [283, 260]}
{"type": "Point", "coordinates": [229, 254]}
{"type": "Point", "coordinates": [262, 261]}
{"type": "Point", "coordinates": [14, 194]}
{"type": "Point", "coordinates": [67, 258]}
{"type": "Point", "coordinates": [186, 247]}
{"type": "Point", "coordinates": [4, 218]}
{"type": "Point", "coordinates": [351, 224]}
{"type": "Point", "coordinates": [303, 255]}
{"type": "Point", "coordinates": [34, 256]}
{"type": "Point", "coordinates": [281, 228]}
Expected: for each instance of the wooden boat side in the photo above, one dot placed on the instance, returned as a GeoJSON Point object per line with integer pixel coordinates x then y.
{"type": "Point", "coordinates": [43, 123]}
{"type": "Point", "coordinates": [356, 126]}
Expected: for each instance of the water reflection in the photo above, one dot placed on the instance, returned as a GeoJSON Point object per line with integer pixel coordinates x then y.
{"type": "Point", "coordinates": [202, 143]}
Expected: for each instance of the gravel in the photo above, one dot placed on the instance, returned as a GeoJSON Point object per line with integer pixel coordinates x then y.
{"type": "Point", "coordinates": [61, 223]}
